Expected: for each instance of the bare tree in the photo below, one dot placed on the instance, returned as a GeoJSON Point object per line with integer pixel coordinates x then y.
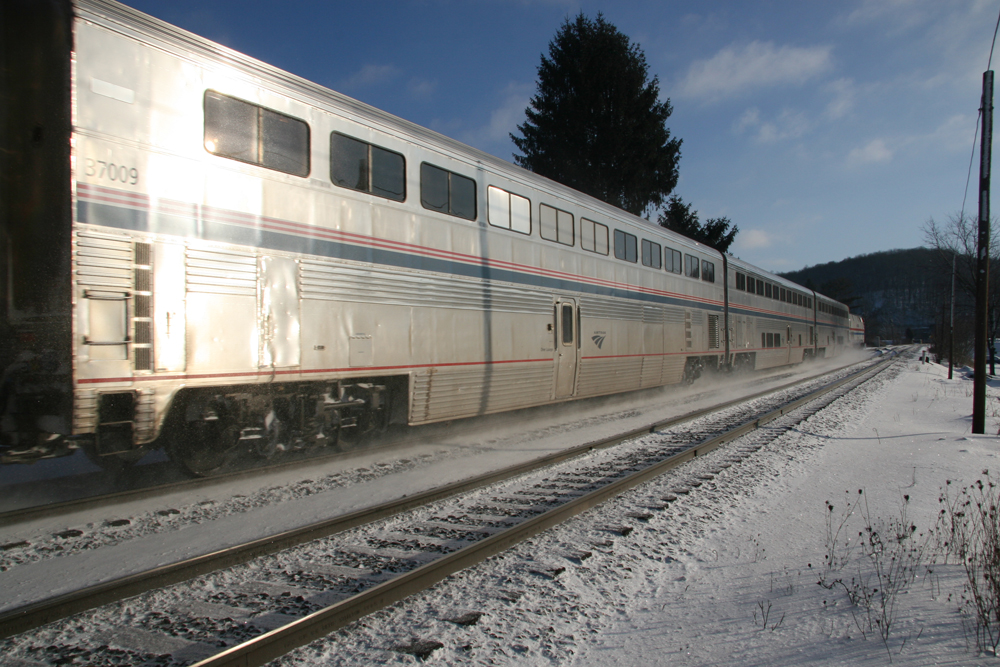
{"type": "Point", "coordinates": [955, 241]}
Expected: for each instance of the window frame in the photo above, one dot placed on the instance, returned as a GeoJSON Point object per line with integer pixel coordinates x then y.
{"type": "Point", "coordinates": [707, 268]}
{"type": "Point", "coordinates": [626, 246]}
{"type": "Point", "coordinates": [510, 210]}
{"type": "Point", "coordinates": [260, 148]}
{"type": "Point", "coordinates": [370, 166]}
{"type": "Point", "coordinates": [676, 261]}
{"type": "Point", "coordinates": [451, 210]}
{"type": "Point", "coordinates": [689, 262]}
{"type": "Point", "coordinates": [595, 225]}
{"type": "Point", "coordinates": [655, 258]}
{"type": "Point", "coordinates": [572, 225]}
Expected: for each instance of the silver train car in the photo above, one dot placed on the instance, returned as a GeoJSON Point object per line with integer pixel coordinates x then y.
{"type": "Point", "coordinates": [202, 252]}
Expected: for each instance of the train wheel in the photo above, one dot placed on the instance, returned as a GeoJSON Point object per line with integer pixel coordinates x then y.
{"type": "Point", "coordinates": [202, 447]}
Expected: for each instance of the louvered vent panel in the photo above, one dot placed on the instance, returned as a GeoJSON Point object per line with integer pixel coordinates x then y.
{"type": "Point", "coordinates": [329, 282]}
{"type": "Point", "coordinates": [104, 261]}
{"type": "Point", "coordinates": [611, 309]}
{"type": "Point", "coordinates": [221, 272]}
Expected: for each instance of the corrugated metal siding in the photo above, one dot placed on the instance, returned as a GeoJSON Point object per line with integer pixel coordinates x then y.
{"type": "Point", "coordinates": [446, 393]}
{"type": "Point", "coordinates": [326, 281]}
{"type": "Point", "coordinates": [607, 375]}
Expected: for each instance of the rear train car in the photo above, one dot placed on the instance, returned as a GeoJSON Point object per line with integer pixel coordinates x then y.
{"type": "Point", "coordinates": [203, 252]}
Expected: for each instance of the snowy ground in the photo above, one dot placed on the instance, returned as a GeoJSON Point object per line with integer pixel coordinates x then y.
{"type": "Point", "coordinates": [693, 584]}
{"type": "Point", "coordinates": [98, 545]}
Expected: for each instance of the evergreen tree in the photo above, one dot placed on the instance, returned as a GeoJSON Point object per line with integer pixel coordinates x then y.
{"type": "Point", "coordinates": [596, 122]}
{"type": "Point", "coordinates": [715, 232]}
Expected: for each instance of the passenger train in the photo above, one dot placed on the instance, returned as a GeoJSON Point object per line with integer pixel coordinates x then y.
{"type": "Point", "coordinates": [202, 252]}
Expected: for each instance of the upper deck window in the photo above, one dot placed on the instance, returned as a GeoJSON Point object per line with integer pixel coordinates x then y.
{"type": "Point", "coordinates": [691, 266]}
{"type": "Point", "coordinates": [359, 165]}
{"type": "Point", "coordinates": [707, 271]}
{"type": "Point", "coordinates": [626, 246]}
{"type": "Point", "coordinates": [593, 236]}
{"type": "Point", "coordinates": [672, 260]}
{"type": "Point", "coordinates": [651, 255]}
{"type": "Point", "coordinates": [555, 225]}
{"type": "Point", "coordinates": [507, 210]}
{"type": "Point", "coordinates": [447, 192]}
{"type": "Point", "coordinates": [250, 133]}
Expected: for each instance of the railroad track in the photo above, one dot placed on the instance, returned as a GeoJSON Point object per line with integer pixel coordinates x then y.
{"type": "Point", "coordinates": [265, 608]}
{"type": "Point", "coordinates": [127, 489]}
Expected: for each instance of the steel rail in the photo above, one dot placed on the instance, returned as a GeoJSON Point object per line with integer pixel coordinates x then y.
{"type": "Point", "coordinates": [34, 615]}
{"type": "Point", "coordinates": [280, 641]}
{"type": "Point", "coordinates": [33, 513]}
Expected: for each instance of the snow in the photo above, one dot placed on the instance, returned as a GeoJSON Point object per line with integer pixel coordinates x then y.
{"type": "Point", "coordinates": [204, 520]}
{"type": "Point", "coordinates": [691, 586]}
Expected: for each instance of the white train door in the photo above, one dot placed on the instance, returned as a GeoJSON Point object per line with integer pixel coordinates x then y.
{"type": "Point", "coordinates": [279, 313]}
{"type": "Point", "coordinates": [567, 349]}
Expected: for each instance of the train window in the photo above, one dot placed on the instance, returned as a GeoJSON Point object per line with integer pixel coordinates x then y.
{"type": "Point", "coordinates": [781, 294]}
{"type": "Point", "coordinates": [508, 210]}
{"type": "Point", "coordinates": [760, 287]}
{"type": "Point", "coordinates": [358, 165]}
{"type": "Point", "coordinates": [593, 236]}
{"type": "Point", "coordinates": [707, 271]}
{"type": "Point", "coordinates": [777, 340]}
{"type": "Point", "coordinates": [625, 246]}
{"type": "Point", "coordinates": [651, 255]}
{"type": "Point", "coordinates": [555, 225]}
{"type": "Point", "coordinates": [770, 340]}
{"type": "Point", "coordinates": [567, 324]}
{"type": "Point", "coordinates": [741, 281]}
{"type": "Point", "coordinates": [447, 192]}
{"type": "Point", "coordinates": [691, 266]}
{"type": "Point", "coordinates": [250, 133]}
{"type": "Point", "coordinates": [767, 290]}
{"type": "Point", "coordinates": [672, 260]}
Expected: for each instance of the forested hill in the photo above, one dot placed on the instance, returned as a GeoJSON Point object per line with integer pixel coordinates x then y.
{"type": "Point", "coordinates": [896, 291]}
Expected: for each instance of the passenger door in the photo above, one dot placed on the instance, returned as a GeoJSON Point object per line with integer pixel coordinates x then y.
{"type": "Point", "coordinates": [567, 348]}
{"type": "Point", "coordinates": [279, 313]}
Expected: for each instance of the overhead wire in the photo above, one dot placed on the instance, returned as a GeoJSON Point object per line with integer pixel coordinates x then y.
{"type": "Point", "coordinates": [979, 116]}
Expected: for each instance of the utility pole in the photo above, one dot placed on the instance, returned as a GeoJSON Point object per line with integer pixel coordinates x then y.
{"type": "Point", "coordinates": [983, 258]}
{"type": "Point", "coordinates": [951, 325]}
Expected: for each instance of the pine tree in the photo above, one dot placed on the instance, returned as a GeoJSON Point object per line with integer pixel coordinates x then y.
{"type": "Point", "coordinates": [715, 232]}
{"type": "Point", "coordinates": [596, 122]}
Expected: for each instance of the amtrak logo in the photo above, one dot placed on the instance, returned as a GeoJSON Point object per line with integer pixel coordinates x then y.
{"type": "Point", "coordinates": [598, 339]}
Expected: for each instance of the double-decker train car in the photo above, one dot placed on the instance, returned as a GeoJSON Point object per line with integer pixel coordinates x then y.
{"type": "Point", "coordinates": [203, 252]}
{"type": "Point", "coordinates": [857, 329]}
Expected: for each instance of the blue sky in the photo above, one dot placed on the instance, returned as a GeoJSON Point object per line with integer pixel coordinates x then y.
{"type": "Point", "coordinates": [823, 129]}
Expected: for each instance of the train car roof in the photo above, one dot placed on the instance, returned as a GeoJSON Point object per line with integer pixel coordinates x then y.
{"type": "Point", "coordinates": [189, 45]}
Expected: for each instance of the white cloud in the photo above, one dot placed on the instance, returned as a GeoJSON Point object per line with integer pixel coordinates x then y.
{"type": "Point", "coordinates": [421, 89]}
{"type": "Point", "coordinates": [734, 71]}
{"type": "Point", "coordinates": [874, 151]}
{"type": "Point", "coordinates": [788, 125]}
{"type": "Point", "coordinates": [370, 75]}
{"type": "Point", "coordinates": [843, 93]}
{"type": "Point", "coordinates": [503, 119]}
{"type": "Point", "coordinates": [753, 239]}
